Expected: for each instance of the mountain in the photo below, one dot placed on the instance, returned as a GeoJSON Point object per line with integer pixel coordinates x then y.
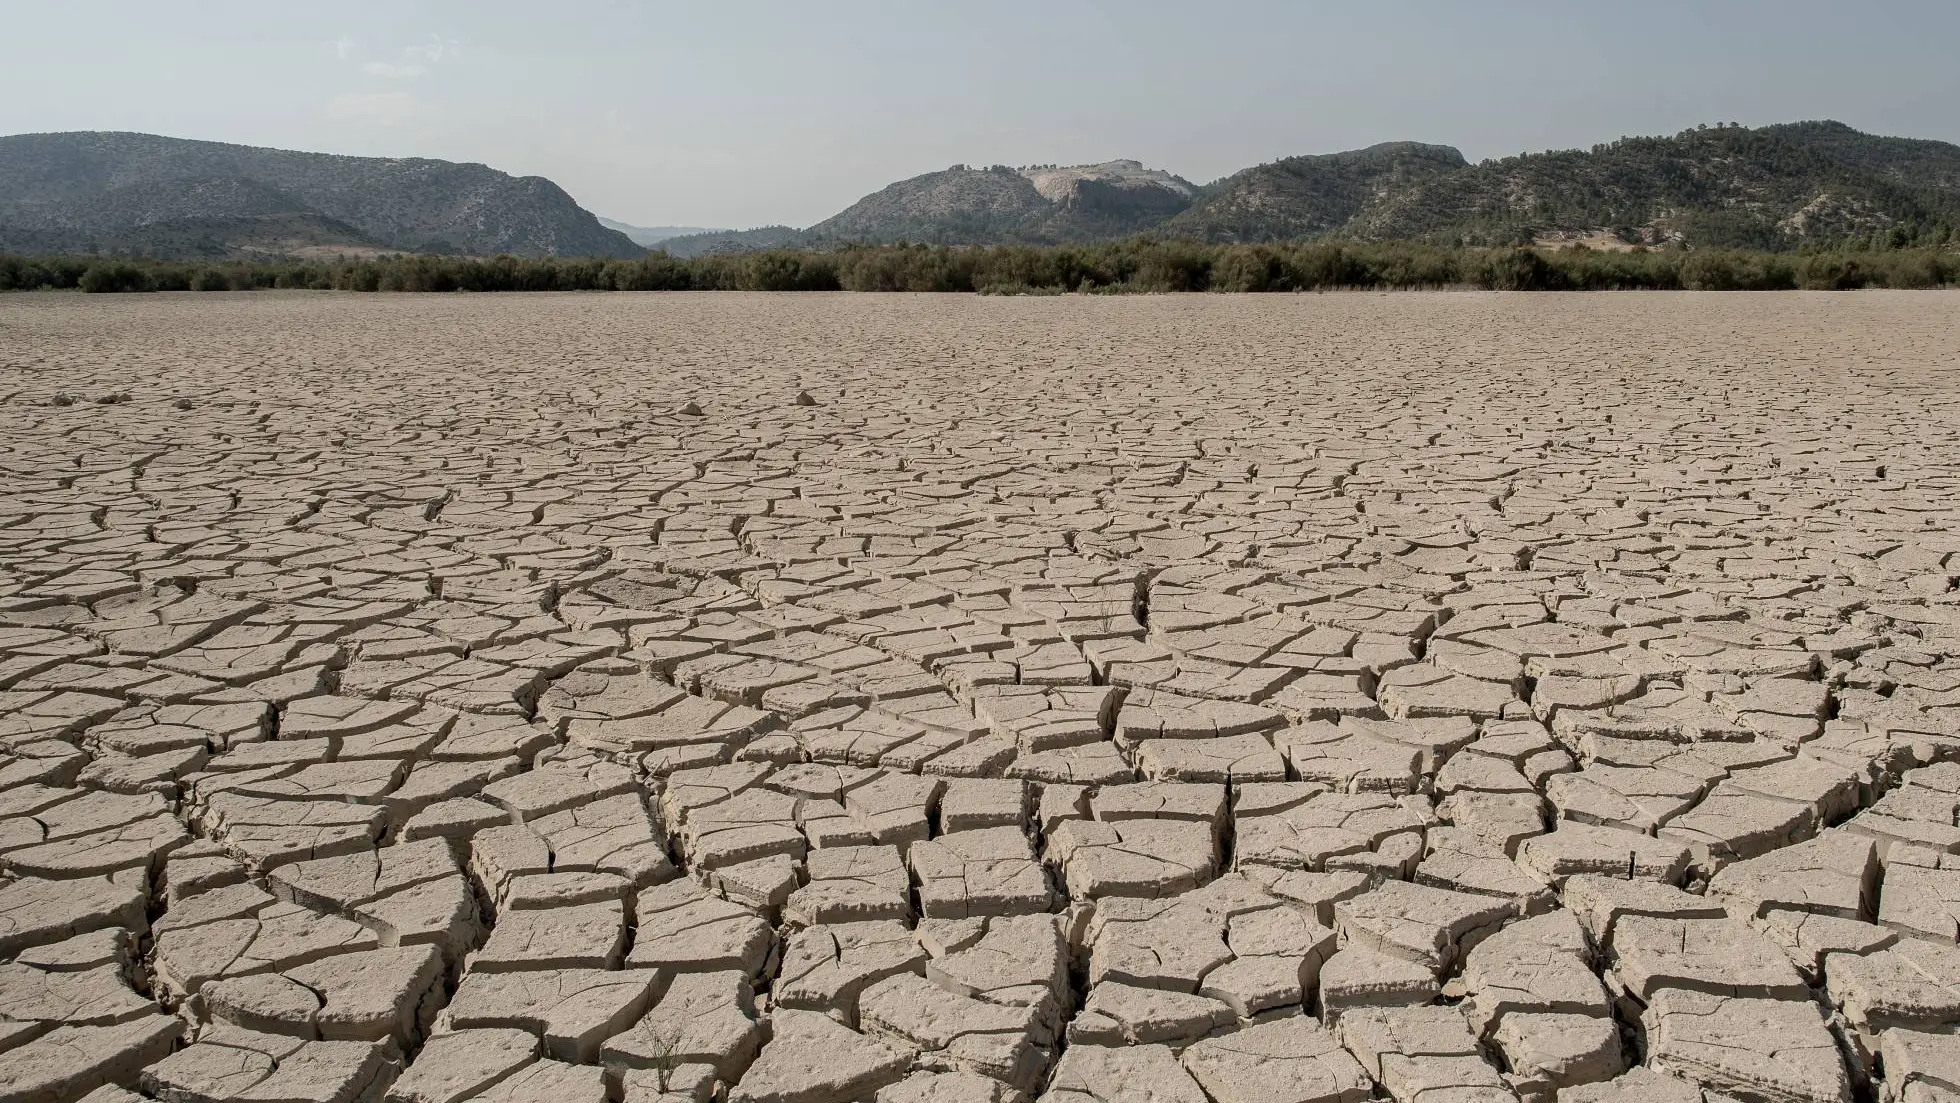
{"type": "Point", "coordinates": [1772, 187]}
{"type": "Point", "coordinates": [91, 191]}
{"type": "Point", "coordinates": [1041, 205]}
{"type": "Point", "coordinates": [651, 236]}
{"type": "Point", "coordinates": [711, 242]}
{"type": "Point", "coordinates": [1305, 197]}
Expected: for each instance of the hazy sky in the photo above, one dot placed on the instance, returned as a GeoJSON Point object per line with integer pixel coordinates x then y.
{"type": "Point", "coordinates": [723, 113]}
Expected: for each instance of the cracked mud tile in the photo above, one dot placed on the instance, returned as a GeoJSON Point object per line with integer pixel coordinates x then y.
{"type": "Point", "coordinates": [1092, 712]}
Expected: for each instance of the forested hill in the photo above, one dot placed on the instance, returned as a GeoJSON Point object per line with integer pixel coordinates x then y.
{"type": "Point", "coordinates": [1774, 187]}
{"type": "Point", "coordinates": [1309, 197]}
{"type": "Point", "coordinates": [91, 191]}
{"type": "Point", "coordinates": [1769, 188]}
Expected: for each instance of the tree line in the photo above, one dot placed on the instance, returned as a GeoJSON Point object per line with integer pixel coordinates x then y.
{"type": "Point", "coordinates": [1137, 265]}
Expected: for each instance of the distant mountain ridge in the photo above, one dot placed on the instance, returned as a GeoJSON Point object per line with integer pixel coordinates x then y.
{"type": "Point", "coordinates": [735, 241]}
{"type": "Point", "coordinates": [1773, 187]}
{"type": "Point", "coordinates": [650, 236]}
{"type": "Point", "coordinates": [97, 191]}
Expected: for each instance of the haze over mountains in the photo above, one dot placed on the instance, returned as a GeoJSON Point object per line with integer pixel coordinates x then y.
{"type": "Point", "coordinates": [1772, 187]}
{"type": "Point", "coordinates": [650, 236]}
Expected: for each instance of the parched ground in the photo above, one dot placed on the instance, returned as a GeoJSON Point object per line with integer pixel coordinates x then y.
{"type": "Point", "coordinates": [806, 699]}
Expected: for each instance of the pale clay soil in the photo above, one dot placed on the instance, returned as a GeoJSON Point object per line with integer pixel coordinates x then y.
{"type": "Point", "coordinates": [801, 699]}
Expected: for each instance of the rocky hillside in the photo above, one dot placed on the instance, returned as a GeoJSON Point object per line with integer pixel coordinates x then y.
{"type": "Point", "coordinates": [1771, 188]}
{"type": "Point", "coordinates": [1774, 187]}
{"type": "Point", "coordinates": [1046, 204]}
{"type": "Point", "coordinates": [119, 192]}
{"type": "Point", "coordinates": [1305, 197]}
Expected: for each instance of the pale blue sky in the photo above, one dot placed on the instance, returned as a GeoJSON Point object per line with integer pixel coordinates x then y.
{"type": "Point", "coordinates": [719, 112]}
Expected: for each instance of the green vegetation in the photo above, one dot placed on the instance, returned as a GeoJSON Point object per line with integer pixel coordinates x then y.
{"type": "Point", "coordinates": [117, 194]}
{"type": "Point", "coordinates": [1799, 188]}
{"type": "Point", "coordinates": [1135, 265]}
{"type": "Point", "coordinates": [1297, 198]}
{"type": "Point", "coordinates": [1789, 186]}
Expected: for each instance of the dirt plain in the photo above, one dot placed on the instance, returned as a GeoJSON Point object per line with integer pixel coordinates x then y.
{"type": "Point", "coordinates": [804, 699]}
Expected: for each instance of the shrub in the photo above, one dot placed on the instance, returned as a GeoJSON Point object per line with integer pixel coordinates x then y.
{"type": "Point", "coordinates": [905, 268]}
{"type": "Point", "coordinates": [111, 277]}
{"type": "Point", "coordinates": [210, 279]}
{"type": "Point", "coordinates": [1134, 265]}
{"type": "Point", "coordinates": [1517, 270]}
{"type": "Point", "coordinates": [786, 271]}
{"type": "Point", "coordinates": [1248, 268]}
{"type": "Point", "coordinates": [1827, 272]}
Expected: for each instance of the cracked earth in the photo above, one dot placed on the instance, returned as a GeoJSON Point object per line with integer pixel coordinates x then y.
{"type": "Point", "coordinates": [809, 699]}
